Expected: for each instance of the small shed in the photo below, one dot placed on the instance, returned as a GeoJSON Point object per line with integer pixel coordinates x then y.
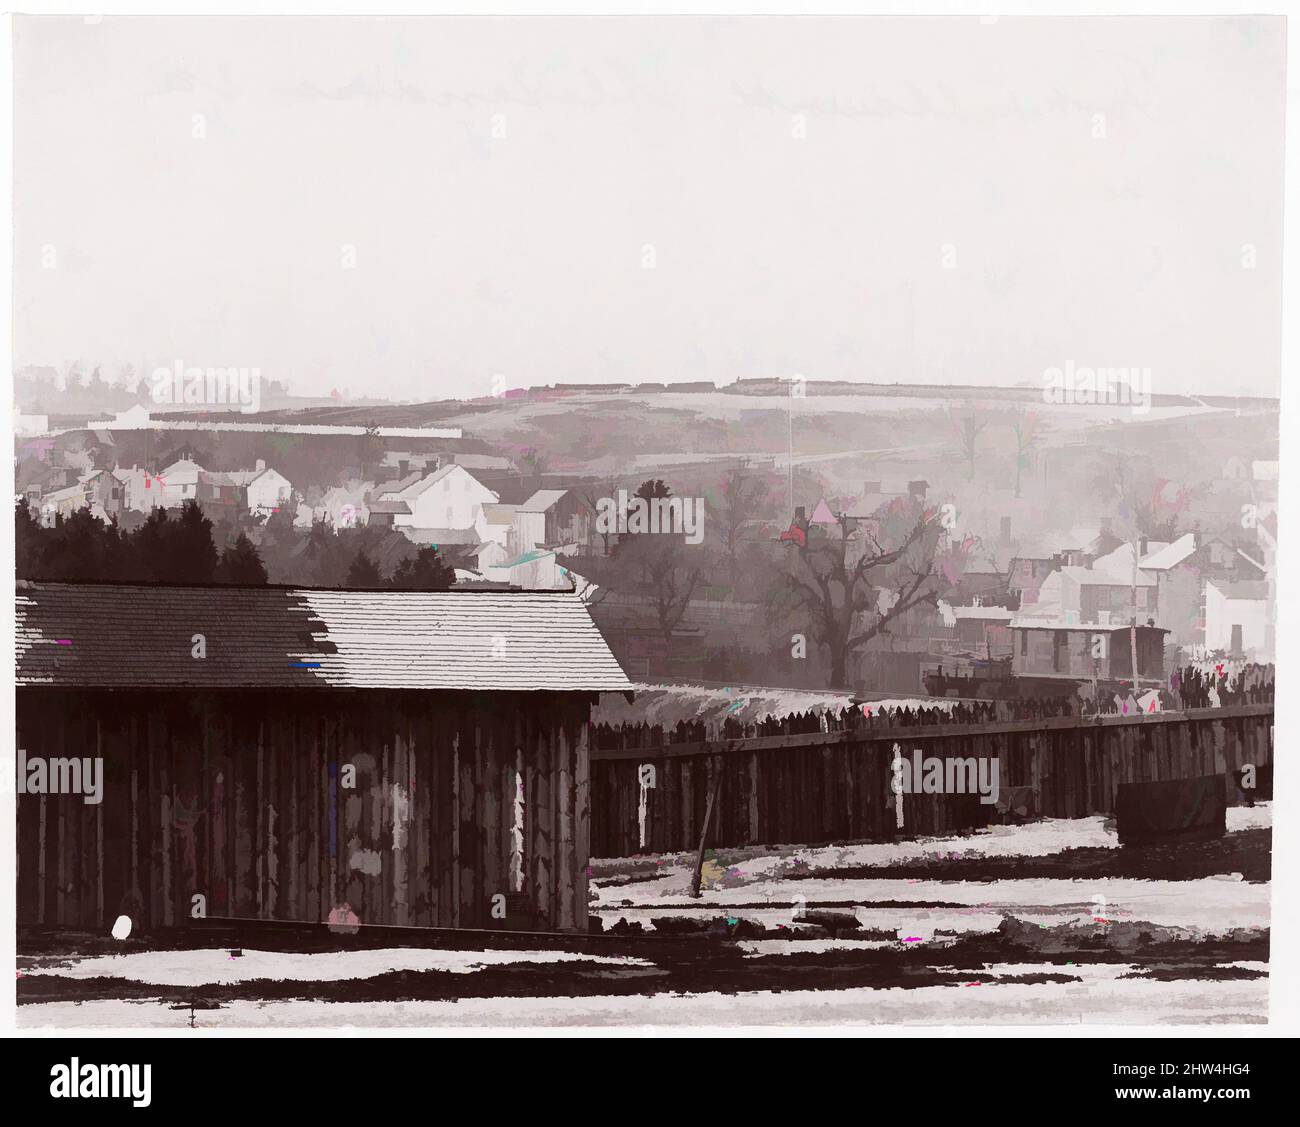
{"type": "Point", "coordinates": [378, 757]}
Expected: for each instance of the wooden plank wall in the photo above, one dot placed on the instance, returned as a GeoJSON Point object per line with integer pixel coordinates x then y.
{"type": "Point", "coordinates": [815, 789]}
{"type": "Point", "coordinates": [243, 799]}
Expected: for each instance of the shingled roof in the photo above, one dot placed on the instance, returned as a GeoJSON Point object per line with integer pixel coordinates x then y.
{"type": "Point", "coordinates": [125, 636]}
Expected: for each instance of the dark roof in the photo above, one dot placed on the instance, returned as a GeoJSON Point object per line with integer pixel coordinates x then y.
{"type": "Point", "coordinates": [127, 636]}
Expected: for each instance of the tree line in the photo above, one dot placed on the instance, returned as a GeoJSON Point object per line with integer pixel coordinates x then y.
{"type": "Point", "coordinates": [177, 546]}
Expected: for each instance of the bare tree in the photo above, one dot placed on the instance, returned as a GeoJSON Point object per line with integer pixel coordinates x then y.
{"type": "Point", "coordinates": [591, 499]}
{"type": "Point", "coordinates": [1026, 425]}
{"type": "Point", "coordinates": [841, 590]}
{"type": "Point", "coordinates": [968, 423]}
{"type": "Point", "coordinates": [533, 464]}
{"type": "Point", "coordinates": [742, 497]}
{"type": "Point", "coordinates": [671, 583]}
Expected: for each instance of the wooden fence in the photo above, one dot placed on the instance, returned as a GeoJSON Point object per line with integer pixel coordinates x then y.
{"type": "Point", "coordinates": [402, 808]}
{"type": "Point", "coordinates": [837, 786]}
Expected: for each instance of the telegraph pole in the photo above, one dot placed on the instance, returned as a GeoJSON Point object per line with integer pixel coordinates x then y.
{"type": "Point", "coordinates": [1133, 629]}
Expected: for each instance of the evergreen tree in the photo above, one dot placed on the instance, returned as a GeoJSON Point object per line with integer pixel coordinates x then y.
{"type": "Point", "coordinates": [196, 554]}
{"type": "Point", "coordinates": [426, 572]}
{"type": "Point", "coordinates": [28, 540]}
{"type": "Point", "coordinates": [76, 550]}
{"type": "Point", "coordinates": [241, 564]}
{"type": "Point", "coordinates": [180, 550]}
{"type": "Point", "coordinates": [363, 572]}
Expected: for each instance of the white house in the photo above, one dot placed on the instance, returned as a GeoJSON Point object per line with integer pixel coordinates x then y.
{"type": "Point", "coordinates": [63, 503]}
{"type": "Point", "coordinates": [180, 482]}
{"type": "Point", "coordinates": [555, 517]}
{"type": "Point", "coordinates": [143, 491]}
{"type": "Point", "coordinates": [497, 523]}
{"type": "Point", "coordinates": [133, 418]}
{"type": "Point", "coordinates": [268, 491]}
{"type": "Point", "coordinates": [449, 498]}
{"type": "Point", "coordinates": [1237, 619]}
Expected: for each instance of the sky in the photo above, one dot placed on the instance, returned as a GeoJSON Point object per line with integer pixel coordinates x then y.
{"type": "Point", "coordinates": [439, 208]}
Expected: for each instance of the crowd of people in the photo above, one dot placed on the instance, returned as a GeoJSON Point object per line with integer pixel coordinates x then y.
{"type": "Point", "coordinates": [1218, 684]}
{"type": "Point", "coordinates": [1193, 686]}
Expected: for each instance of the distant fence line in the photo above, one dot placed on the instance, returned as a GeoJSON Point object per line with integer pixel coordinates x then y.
{"type": "Point", "coordinates": [818, 786]}
{"type": "Point", "coordinates": [1190, 690]}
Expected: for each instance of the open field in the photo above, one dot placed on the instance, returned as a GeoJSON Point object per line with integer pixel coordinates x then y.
{"type": "Point", "coordinates": [921, 932]}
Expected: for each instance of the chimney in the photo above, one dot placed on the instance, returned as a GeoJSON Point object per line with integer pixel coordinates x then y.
{"type": "Point", "coordinates": [403, 466]}
{"type": "Point", "coordinates": [1006, 530]}
{"type": "Point", "coordinates": [261, 464]}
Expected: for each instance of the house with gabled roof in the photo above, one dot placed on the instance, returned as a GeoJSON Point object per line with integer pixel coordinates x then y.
{"type": "Point", "coordinates": [1237, 618]}
{"type": "Point", "coordinates": [551, 517]}
{"type": "Point", "coordinates": [449, 498]}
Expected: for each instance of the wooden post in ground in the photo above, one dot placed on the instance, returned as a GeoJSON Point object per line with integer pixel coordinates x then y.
{"type": "Point", "coordinates": [715, 762]}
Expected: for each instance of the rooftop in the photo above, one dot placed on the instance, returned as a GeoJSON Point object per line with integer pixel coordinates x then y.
{"type": "Point", "coordinates": [1092, 627]}
{"type": "Point", "coordinates": [1091, 577]}
{"type": "Point", "coordinates": [1240, 588]}
{"type": "Point", "coordinates": [994, 613]}
{"type": "Point", "coordinates": [499, 514]}
{"type": "Point", "coordinates": [1170, 555]}
{"type": "Point", "coordinates": [133, 636]}
{"type": "Point", "coordinates": [542, 500]}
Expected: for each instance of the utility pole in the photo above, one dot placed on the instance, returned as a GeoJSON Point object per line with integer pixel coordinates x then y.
{"type": "Point", "coordinates": [790, 445]}
{"type": "Point", "coordinates": [1133, 629]}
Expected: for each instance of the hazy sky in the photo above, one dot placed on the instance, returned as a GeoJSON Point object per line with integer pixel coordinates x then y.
{"type": "Point", "coordinates": [875, 199]}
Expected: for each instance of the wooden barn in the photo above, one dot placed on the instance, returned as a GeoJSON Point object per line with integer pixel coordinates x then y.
{"type": "Point", "coordinates": [372, 757]}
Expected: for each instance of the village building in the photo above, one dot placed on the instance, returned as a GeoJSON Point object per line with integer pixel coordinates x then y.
{"type": "Point", "coordinates": [270, 753]}
{"type": "Point", "coordinates": [1237, 619]}
{"type": "Point", "coordinates": [981, 580]}
{"type": "Point", "coordinates": [220, 495]}
{"type": "Point", "coordinates": [180, 482]}
{"type": "Point", "coordinates": [978, 630]}
{"type": "Point", "coordinates": [1090, 594]}
{"type": "Point", "coordinates": [267, 490]}
{"type": "Point", "coordinates": [496, 525]}
{"type": "Point", "coordinates": [105, 494]}
{"type": "Point", "coordinates": [1028, 570]}
{"type": "Point", "coordinates": [448, 498]}
{"type": "Point", "coordinates": [551, 518]}
{"type": "Point", "coordinates": [384, 511]}
{"type": "Point", "coordinates": [1084, 651]}
{"type": "Point", "coordinates": [62, 503]}
{"type": "Point", "coordinates": [141, 490]}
